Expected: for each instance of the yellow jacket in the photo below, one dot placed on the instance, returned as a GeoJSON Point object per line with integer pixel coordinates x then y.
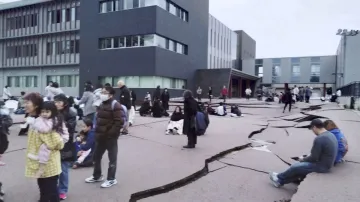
{"type": "Point", "coordinates": [54, 142]}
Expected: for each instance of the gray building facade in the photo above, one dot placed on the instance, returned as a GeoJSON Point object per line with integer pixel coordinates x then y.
{"type": "Point", "coordinates": [146, 43]}
{"type": "Point", "coordinates": [348, 60]}
{"type": "Point", "coordinates": [39, 42]}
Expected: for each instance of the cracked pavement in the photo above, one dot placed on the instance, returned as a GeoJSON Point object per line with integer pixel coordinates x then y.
{"type": "Point", "coordinates": [230, 162]}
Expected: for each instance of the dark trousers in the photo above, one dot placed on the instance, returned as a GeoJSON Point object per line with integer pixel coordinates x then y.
{"type": "Point", "coordinates": [224, 97]}
{"type": "Point", "coordinates": [199, 97]}
{"type": "Point", "coordinates": [49, 189]}
{"type": "Point", "coordinates": [286, 104]}
{"type": "Point", "coordinates": [111, 146]}
{"type": "Point", "coordinates": [210, 97]}
{"type": "Point", "coordinates": [307, 98]}
{"type": "Point", "coordinates": [192, 137]}
{"type": "Point", "coordinates": [299, 170]}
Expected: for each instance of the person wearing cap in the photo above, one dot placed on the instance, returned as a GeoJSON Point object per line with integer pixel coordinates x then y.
{"type": "Point", "coordinates": [321, 159]}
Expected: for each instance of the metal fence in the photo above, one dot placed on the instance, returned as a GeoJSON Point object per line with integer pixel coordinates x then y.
{"type": "Point", "coordinates": [351, 89]}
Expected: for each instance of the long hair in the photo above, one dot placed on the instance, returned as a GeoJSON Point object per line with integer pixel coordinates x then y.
{"type": "Point", "coordinates": [178, 107]}
{"type": "Point", "coordinates": [330, 125]}
{"type": "Point", "coordinates": [56, 117]}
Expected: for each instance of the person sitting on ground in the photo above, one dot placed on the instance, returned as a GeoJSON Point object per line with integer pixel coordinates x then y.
{"type": "Point", "coordinates": [321, 159]}
{"type": "Point", "coordinates": [176, 122]}
{"type": "Point", "coordinates": [221, 110]}
{"type": "Point", "coordinates": [145, 108]}
{"type": "Point", "coordinates": [85, 145]}
{"type": "Point", "coordinates": [202, 121]}
{"type": "Point", "coordinates": [156, 109]}
{"type": "Point", "coordinates": [5, 123]}
{"type": "Point", "coordinates": [235, 111]}
{"type": "Point", "coordinates": [21, 102]}
{"type": "Point", "coordinates": [343, 147]}
{"type": "Point", "coordinates": [210, 110]}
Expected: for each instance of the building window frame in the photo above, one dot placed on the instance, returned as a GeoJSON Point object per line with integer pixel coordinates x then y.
{"type": "Point", "coordinates": [315, 69]}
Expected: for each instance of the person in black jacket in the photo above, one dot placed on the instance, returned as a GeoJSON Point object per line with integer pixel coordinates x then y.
{"type": "Point", "coordinates": [165, 98]}
{"type": "Point", "coordinates": [287, 99]}
{"type": "Point", "coordinates": [189, 128]}
{"type": "Point", "coordinates": [157, 110]}
{"type": "Point", "coordinates": [68, 152]}
{"type": "Point", "coordinates": [157, 94]}
{"type": "Point", "coordinates": [125, 99]}
{"type": "Point", "coordinates": [133, 98]}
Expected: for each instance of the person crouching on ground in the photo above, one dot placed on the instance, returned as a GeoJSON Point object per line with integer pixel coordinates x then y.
{"type": "Point", "coordinates": [157, 111]}
{"type": "Point", "coordinates": [85, 145]}
{"type": "Point", "coordinates": [176, 122]}
{"type": "Point", "coordinates": [189, 128]}
{"type": "Point", "coordinates": [343, 147]}
{"type": "Point", "coordinates": [145, 108]}
{"type": "Point", "coordinates": [321, 159]}
{"type": "Point", "coordinates": [235, 111]}
{"type": "Point", "coordinates": [221, 110]}
{"type": "Point", "coordinates": [109, 122]}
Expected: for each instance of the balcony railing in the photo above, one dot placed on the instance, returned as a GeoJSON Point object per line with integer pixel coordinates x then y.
{"type": "Point", "coordinates": [351, 89]}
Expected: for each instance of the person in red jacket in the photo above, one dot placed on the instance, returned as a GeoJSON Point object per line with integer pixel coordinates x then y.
{"type": "Point", "coordinates": [224, 93]}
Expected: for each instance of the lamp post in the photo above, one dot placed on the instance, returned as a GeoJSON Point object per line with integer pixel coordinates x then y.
{"type": "Point", "coordinates": [344, 33]}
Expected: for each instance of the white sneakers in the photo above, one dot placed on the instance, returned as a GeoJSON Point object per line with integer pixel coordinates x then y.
{"type": "Point", "coordinates": [106, 184]}
{"type": "Point", "coordinates": [274, 179]}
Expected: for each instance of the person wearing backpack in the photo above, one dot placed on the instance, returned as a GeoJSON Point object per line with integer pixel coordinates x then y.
{"type": "Point", "coordinates": [109, 122]}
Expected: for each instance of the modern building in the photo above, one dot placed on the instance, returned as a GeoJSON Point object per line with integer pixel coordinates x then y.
{"type": "Point", "coordinates": [348, 60]}
{"type": "Point", "coordinates": [316, 72]}
{"type": "Point", "coordinates": [143, 42]}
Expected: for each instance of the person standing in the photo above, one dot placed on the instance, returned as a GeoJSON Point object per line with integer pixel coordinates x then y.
{"type": "Point", "coordinates": [199, 92]}
{"type": "Point", "coordinates": [189, 127]}
{"type": "Point", "coordinates": [210, 93]}
{"type": "Point", "coordinates": [156, 94]}
{"type": "Point", "coordinates": [133, 105]}
{"type": "Point", "coordinates": [47, 90]}
{"type": "Point", "coordinates": [248, 93]}
{"type": "Point", "coordinates": [321, 159]}
{"type": "Point", "coordinates": [301, 94]}
{"type": "Point", "coordinates": [287, 99]}
{"type": "Point", "coordinates": [296, 93]}
{"type": "Point", "coordinates": [54, 90]}
{"type": "Point", "coordinates": [88, 99]}
{"type": "Point", "coordinates": [6, 93]}
{"type": "Point", "coordinates": [307, 94]}
{"type": "Point", "coordinates": [68, 152]}
{"type": "Point", "coordinates": [125, 99]}
{"type": "Point", "coordinates": [48, 181]}
{"type": "Point", "coordinates": [165, 98]}
{"type": "Point", "coordinates": [109, 121]}
{"type": "Point", "coordinates": [224, 93]}
{"type": "Point", "coordinates": [133, 98]}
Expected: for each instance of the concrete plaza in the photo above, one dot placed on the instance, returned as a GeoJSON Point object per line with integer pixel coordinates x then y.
{"type": "Point", "coordinates": [230, 163]}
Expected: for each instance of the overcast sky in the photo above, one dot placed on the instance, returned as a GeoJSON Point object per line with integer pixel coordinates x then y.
{"type": "Point", "coordinates": [286, 28]}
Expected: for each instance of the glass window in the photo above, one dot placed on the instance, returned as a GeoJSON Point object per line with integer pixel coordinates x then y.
{"type": "Point", "coordinates": [295, 60]}
{"type": "Point", "coordinates": [172, 9]}
{"type": "Point", "coordinates": [179, 48]}
{"type": "Point", "coordinates": [147, 82]}
{"type": "Point", "coordinates": [110, 6]}
{"type": "Point", "coordinates": [315, 73]}
{"type": "Point", "coordinates": [119, 5]}
{"type": "Point", "coordinates": [276, 61]}
{"type": "Point", "coordinates": [73, 14]}
{"type": "Point", "coordinates": [276, 71]}
{"type": "Point", "coordinates": [259, 61]}
{"type": "Point", "coordinates": [102, 7]}
{"type": "Point", "coordinates": [295, 73]}
{"type": "Point", "coordinates": [158, 81]}
{"type": "Point", "coordinates": [135, 41]}
{"type": "Point", "coordinates": [166, 82]}
{"type": "Point", "coordinates": [132, 81]}
{"type": "Point", "coordinates": [116, 42]}
{"type": "Point", "coordinates": [104, 80]}
{"type": "Point", "coordinates": [147, 40]}
{"type": "Point", "coordinates": [106, 43]}
{"type": "Point", "coordinates": [129, 4]}
{"type": "Point", "coordinates": [128, 41]}
{"type": "Point", "coordinates": [315, 59]}
{"type": "Point", "coordinates": [161, 3]}
{"type": "Point", "coordinates": [160, 41]}
{"type": "Point", "coordinates": [136, 3]}
{"type": "Point", "coordinates": [171, 45]}
{"type": "Point", "coordinates": [117, 79]}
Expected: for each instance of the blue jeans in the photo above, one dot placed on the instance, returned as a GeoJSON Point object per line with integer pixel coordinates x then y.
{"type": "Point", "coordinates": [299, 170]}
{"type": "Point", "coordinates": [64, 177]}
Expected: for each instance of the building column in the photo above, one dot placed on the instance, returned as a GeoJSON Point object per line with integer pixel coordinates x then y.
{"type": "Point", "coordinates": [324, 93]}
{"type": "Point", "coordinates": [240, 87]}
{"type": "Point", "coordinates": [230, 88]}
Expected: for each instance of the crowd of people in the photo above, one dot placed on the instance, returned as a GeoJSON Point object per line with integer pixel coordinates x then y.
{"type": "Point", "coordinates": [53, 146]}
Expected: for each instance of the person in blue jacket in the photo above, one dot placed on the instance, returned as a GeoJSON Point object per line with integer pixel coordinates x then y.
{"type": "Point", "coordinates": [342, 142]}
{"type": "Point", "coordinates": [85, 145]}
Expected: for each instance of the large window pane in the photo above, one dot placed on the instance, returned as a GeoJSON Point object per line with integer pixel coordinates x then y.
{"type": "Point", "coordinates": [132, 81]}
{"type": "Point", "coordinates": [166, 83]}
{"type": "Point", "coordinates": [147, 82]}
{"type": "Point", "coordinates": [104, 80]}
{"type": "Point", "coordinates": [315, 73]}
{"type": "Point", "coordinates": [162, 4]}
{"type": "Point", "coordinates": [117, 79]}
{"type": "Point", "coordinates": [148, 40]}
{"type": "Point", "coordinates": [276, 71]}
{"type": "Point", "coordinates": [171, 45]}
{"type": "Point", "coordinates": [179, 48]}
{"type": "Point", "coordinates": [160, 41]}
{"type": "Point", "coordinates": [158, 81]}
{"type": "Point", "coordinates": [128, 41]}
{"type": "Point", "coordinates": [106, 43]}
{"type": "Point", "coordinates": [172, 9]}
{"type": "Point", "coordinates": [129, 4]}
{"type": "Point", "coordinates": [135, 41]}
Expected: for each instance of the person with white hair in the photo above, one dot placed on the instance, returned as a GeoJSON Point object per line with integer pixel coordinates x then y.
{"type": "Point", "coordinates": [125, 99]}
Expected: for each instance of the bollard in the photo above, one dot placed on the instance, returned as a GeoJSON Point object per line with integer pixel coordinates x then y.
{"type": "Point", "coordinates": [352, 103]}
